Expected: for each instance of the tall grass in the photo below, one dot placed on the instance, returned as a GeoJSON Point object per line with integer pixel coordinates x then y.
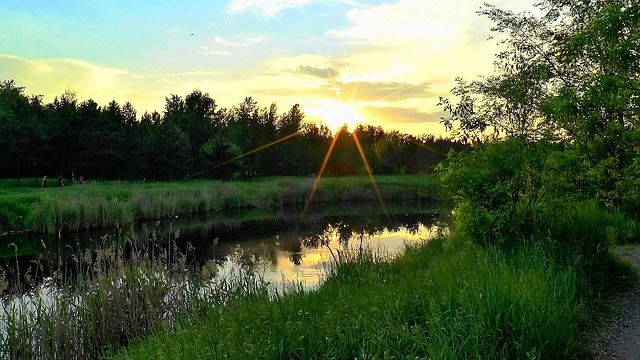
{"type": "Point", "coordinates": [441, 300]}
{"type": "Point", "coordinates": [444, 299]}
{"type": "Point", "coordinates": [106, 204]}
{"type": "Point", "coordinates": [108, 297]}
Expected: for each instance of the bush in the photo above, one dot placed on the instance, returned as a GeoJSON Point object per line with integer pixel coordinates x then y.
{"type": "Point", "coordinates": [499, 189]}
{"type": "Point", "coordinates": [513, 193]}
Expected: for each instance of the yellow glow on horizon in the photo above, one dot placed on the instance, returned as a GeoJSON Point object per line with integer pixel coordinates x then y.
{"type": "Point", "coordinates": [337, 115]}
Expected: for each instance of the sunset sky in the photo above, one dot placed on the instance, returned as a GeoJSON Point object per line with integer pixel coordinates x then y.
{"type": "Point", "coordinates": [385, 62]}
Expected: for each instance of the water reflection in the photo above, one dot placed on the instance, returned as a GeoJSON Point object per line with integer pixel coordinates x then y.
{"type": "Point", "coordinates": [280, 244]}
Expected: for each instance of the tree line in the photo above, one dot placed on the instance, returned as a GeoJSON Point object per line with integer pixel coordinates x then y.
{"type": "Point", "coordinates": [191, 138]}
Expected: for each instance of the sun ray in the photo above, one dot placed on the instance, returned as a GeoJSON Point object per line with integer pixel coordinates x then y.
{"type": "Point", "coordinates": [368, 168]}
{"type": "Point", "coordinates": [316, 182]}
{"type": "Point", "coordinates": [244, 155]}
{"type": "Point", "coordinates": [425, 146]}
{"type": "Point", "coordinates": [394, 93]}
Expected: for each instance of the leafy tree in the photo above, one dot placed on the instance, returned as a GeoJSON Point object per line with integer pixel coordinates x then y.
{"type": "Point", "coordinates": [169, 153]}
{"type": "Point", "coordinates": [314, 144]}
{"type": "Point", "coordinates": [19, 128]}
{"type": "Point", "coordinates": [61, 140]}
{"type": "Point", "coordinates": [244, 131]}
{"type": "Point", "coordinates": [570, 76]}
{"type": "Point", "coordinates": [291, 153]}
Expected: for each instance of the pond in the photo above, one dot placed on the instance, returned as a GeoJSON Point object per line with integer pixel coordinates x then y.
{"type": "Point", "coordinates": [283, 244]}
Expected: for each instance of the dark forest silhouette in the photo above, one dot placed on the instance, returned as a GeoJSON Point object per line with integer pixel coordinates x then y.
{"type": "Point", "coordinates": [189, 139]}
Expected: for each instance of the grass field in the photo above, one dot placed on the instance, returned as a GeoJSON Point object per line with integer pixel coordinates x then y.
{"type": "Point", "coordinates": [95, 204]}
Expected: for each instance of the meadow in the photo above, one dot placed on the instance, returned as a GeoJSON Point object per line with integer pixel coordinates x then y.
{"type": "Point", "coordinates": [102, 204]}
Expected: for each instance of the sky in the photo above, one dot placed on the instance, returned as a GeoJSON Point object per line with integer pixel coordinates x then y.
{"type": "Point", "coordinates": [383, 63]}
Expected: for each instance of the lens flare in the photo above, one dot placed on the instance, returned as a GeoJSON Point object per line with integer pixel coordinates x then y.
{"type": "Point", "coordinates": [244, 155]}
{"type": "Point", "coordinates": [339, 115]}
{"type": "Point", "coordinates": [316, 181]}
{"type": "Point", "coordinates": [370, 173]}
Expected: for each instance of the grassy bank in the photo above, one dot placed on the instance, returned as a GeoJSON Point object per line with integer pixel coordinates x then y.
{"type": "Point", "coordinates": [105, 204]}
{"type": "Point", "coordinates": [447, 299]}
{"type": "Point", "coordinates": [441, 300]}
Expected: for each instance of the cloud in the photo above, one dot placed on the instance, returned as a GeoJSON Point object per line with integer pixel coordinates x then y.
{"type": "Point", "coordinates": [402, 115]}
{"type": "Point", "coordinates": [218, 53]}
{"type": "Point", "coordinates": [403, 22]}
{"type": "Point", "coordinates": [357, 91]}
{"type": "Point", "coordinates": [42, 76]}
{"type": "Point", "coordinates": [240, 42]}
{"type": "Point", "coordinates": [267, 7]}
{"type": "Point", "coordinates": [215, 52]}
{"type": "Point", "coordinates": [390, 91]}
{"type": "Point", "coordinates": [325, 73]}
{"type": "Point", "coordinates": [417, 41]}
{"type": "Point", "coordinates": [303, 64]}
{"type": "Point", "coordinates": [146, 92]}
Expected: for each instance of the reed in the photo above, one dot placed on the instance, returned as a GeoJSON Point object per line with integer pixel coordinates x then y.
{"type": "Point", "coordinates": [439, 300]}
{"type": "Point", "coordinates": [107, 297]}
{"type": "Point", "coordinates": [446, 298]}
{"type": "Point", "coordinates": [107, 204]}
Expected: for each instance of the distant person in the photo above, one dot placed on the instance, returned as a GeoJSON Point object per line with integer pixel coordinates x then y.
{"type": "Point", "coordinates": [44, 181]}
{"type": "Point", "coordinates": [60, 181]}
{"type": "Point", "coordinates": [81, 180]}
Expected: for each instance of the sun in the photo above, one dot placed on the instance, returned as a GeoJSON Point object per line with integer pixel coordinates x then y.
{"type": "Point", "coordinates": [337, 115]}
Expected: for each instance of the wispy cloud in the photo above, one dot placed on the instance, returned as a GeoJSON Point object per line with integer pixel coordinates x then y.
{"type": "Point", "coordinates": [402, 22]}
{"type": "Point", "coordinates": [325, 73]}
{"type": "Point", "coordinates": [217, 53]}
{"type": "Point", "coordinates": [402, 115]}
{"type": "Point", "coordinates": [65, 73]}
{"type": "Point", "coordinates": [103, 84]}
{"type": "Point", "coordinates": [357, 92]}
{"type": "Point", "coordinates": [266, 7]}
{"type": "Point", "coordinates": [368, 92]}
{"type": "Point", "coordinates": [238, 42]}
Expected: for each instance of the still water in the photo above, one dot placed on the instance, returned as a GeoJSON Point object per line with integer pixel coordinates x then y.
{"type": "Point", "coordinates": [281, 244]}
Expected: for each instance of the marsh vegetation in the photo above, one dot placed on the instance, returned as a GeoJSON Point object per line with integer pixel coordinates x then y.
{"type": "Point", "coordinates": [546, 182]}
{"type": "Point", "coordinates": [120, 203]}
{"type": "Point", "coordinates": [67, 299]}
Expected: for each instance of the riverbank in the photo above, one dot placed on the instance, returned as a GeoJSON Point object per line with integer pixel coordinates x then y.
{"type": "Point", "coordinates": [115, 203]}
{"type": "Point", "coordinates": [442, 300]}
{"type": "Point", "coordinates": [127, 284]}
{"type": "Point", "coordinates": [445, 298]}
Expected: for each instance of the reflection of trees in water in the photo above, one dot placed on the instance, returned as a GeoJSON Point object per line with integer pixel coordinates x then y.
{"type": "Point", "coordinates": [366, 227]}
{"type": "Point", "coordinates": [248, 242]}
{"type": "Point", "coordinates": [295, 258]}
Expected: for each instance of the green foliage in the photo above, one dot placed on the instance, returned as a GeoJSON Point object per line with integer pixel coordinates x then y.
{"type": "Point", "coordinates": [555, 135]}
{"type": "Point", "coordinates": [499, 189]}
{"type": "Point", "coordinates": [571, 76]}
{"type": "Point", "coordinates": [515, 193]}
{"type": "Point", "coordinates": [439, 300]}
{"type": "Point", "coordinates": [116, 203]}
